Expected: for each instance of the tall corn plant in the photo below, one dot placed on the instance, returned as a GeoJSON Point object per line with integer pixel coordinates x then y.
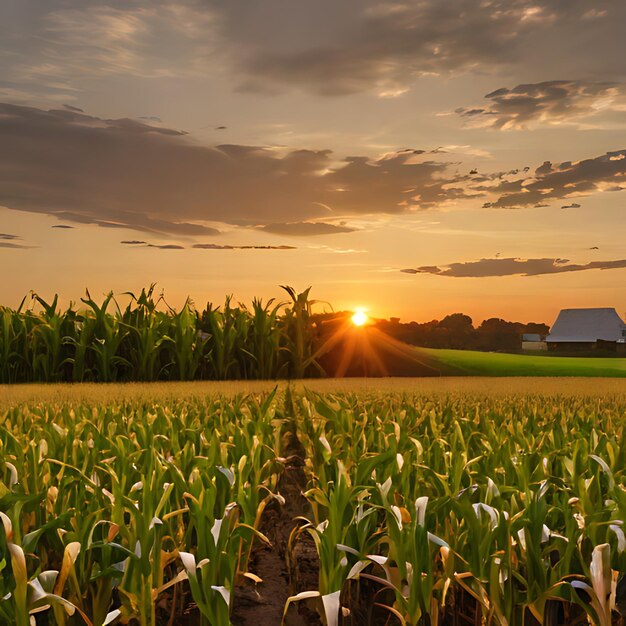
{"type": "Point", "coordinates": [145, 345]}
{"type": "Point", "coordinates": [186, 345]}
{"type": "Point", "coordinates": [300, 339]}
{"type": "Point", "coordinates": [149, 342]}
{"type": "Point", "coordinates": [223, 341]}
{"type": "Point", "coordinates": [14, 355]}
{"type": "Point", "coordinates": [108, 335]}
{"type": "Point", "coordinates": [47, 340]}
{"type": "Point", "coordinates": [265, 339]}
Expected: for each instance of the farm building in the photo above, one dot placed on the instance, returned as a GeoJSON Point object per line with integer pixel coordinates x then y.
{"type": "Point", "coordinates": [588, 329]}
{"type": "Point", "coordinates": [533, 341]}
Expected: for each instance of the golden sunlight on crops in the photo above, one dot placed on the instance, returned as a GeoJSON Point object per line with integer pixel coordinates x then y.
{"type": "Point", "coordinates": [419, 499]}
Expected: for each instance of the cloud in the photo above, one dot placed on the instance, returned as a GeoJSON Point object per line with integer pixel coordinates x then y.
{"type": "Point", "coordinates": [214, 246]}
{"type": "Point", "coordinates": [7, 240]}
{"type": "Point", "coordinates": [512, 267]}
{"type": "Point", "coordinates": [63, 226]}
{"type": "Point", "coordinates": [554, 102]}
{"type": "Point", "coordinates": [305, 229]}
{"type": "Point", "coordinates": [10, 244]}
{"type": "Point", "coordinates": [326, 47]}
{"type": "Point", "coordinates": [137, 221]}
{"type": "Point", "coordinates": [145, 244]}
{"type": "Point", "coordinates": [337, 48]}
{"type": "Point", "coordinates": [106, 38]}
{"type": "Point", "coordinates": [122, 173]}
{"type": "Point", "coordinates": [565, 180]}
{"type": "Point", "coordinates": [200, 246]}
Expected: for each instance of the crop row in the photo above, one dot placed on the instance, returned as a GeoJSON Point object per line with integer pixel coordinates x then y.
{"type": "Point", "coordinates": [508, 510]}
{"type": "Point", "coordinates": [492, 510]}
{"type": "Point", "coordinates": [148, 340]}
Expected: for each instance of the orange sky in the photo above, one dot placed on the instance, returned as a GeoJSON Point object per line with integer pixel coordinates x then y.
{"type": "Point", "coordinates": [329, 144]}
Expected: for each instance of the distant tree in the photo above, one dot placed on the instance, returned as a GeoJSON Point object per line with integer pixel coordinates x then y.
{"type": "Point", "coordinates": [455, 331]}
{"type": "Point", "coordinates": [537, 328]}
{"type": "Point", "coordinates": [458, 322]}
{"type": "Point", "coordinates": [498, 334]}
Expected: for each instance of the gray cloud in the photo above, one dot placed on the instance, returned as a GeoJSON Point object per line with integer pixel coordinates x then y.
{"type": "Point", "coordinates": [214, 246]}
{"type": "Point", "coordinates": [123, 173]}
{"type": "Point", "coordinates": [305, 229]}
{"type": "Point", "coordinates": [144, 244]}
{"type": "Point", "coordinates": [10, 244]}
{"type": "Point", "coordinates": [7, 240]}
{"type": "Point", "coordinates": [335, 48]}
{"type": "Point", "coordinates": [551, 102]}
{"type": "Point", "coordinates": [135, 220]}
{"type": "Point", "coordinates": [325, 46]}
{"type": "Point", "coordinates": [566, 180]}
{"type": "Point", "coordinates": [61, 41]}
{"type": "Point", "coordinates": [512, 267]}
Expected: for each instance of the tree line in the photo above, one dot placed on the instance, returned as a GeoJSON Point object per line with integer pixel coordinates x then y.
{"type": "Point", "coordinates": [458, 331]}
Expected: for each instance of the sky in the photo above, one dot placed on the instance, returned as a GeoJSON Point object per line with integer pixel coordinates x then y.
{"type": "Point", "coordinates": [415, 158]}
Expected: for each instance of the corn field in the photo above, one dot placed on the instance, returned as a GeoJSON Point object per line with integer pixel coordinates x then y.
{"type": "Point", "coordinates": [151, 341]}
{"type": "Point", "coordinates": [417, 508]}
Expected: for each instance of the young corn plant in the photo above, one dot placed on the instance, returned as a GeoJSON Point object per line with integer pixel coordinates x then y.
{"type": "Point", "coordinates": [25, 596]}
{"type": "Point", "coordinates": [218, 541]}
{"type": "Point", "coordinates": [333, 513]}
{"type": "Point", "coordinates": [409, 562]}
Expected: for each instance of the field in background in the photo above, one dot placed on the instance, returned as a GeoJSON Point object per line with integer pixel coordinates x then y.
{"type": "Point", "coordinates": [40, 342]}
{"type": "Point", "coordinates": [354, 502]}
{"type": "Point", "coordinates": [99, 393]}
{"type": "Point", "coordinates": [474, 363]}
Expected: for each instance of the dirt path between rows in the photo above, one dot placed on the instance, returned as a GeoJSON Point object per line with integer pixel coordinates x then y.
{"type": "Point", "coordinates": [263, 604]}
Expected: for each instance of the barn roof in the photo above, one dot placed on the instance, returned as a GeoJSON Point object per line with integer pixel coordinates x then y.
{"type": "Point", "coordinates": [587, 325]}
{"type": "Point", "coordinates": [531, 337]}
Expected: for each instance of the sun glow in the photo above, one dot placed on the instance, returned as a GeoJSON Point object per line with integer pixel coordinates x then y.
{"type": "Point", "coordinates": [359, 318]}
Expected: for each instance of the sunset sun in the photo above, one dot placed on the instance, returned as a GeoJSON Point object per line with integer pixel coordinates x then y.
{"type": "Point", "coordinates": [360, 318]}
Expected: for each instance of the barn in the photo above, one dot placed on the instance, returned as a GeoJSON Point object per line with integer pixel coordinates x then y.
{"type": "Point", "coordinates": [588, 329]}
{"type": "Point", "coordinates": [534, 342]}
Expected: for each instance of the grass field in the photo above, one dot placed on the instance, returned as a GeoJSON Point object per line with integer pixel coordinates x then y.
{"type": "Point", "coordinates": [354, 502]}
{"type": "Point", "coordinates": [473, 363]}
